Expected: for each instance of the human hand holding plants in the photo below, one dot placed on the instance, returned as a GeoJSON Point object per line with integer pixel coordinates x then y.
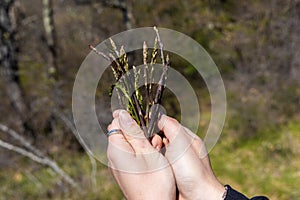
{"type": "Point", "coordinates": [140, 170]}
{"type": "Point", "coordinates": [144, 173]}
{"type": "Point", "coordinates": [190, 162]}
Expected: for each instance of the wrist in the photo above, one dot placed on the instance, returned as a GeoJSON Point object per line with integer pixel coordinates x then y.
{"type": "Point", "coordinates": [219, 191]}
{"type": "Point", "coordinates": [138, 195]}
{"type": "Point", "coordinates": [225, 192]}
{"type": "Point", "coordinates": [213, 191]}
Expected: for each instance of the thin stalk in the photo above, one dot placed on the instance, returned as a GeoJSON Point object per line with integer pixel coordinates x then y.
{"type": "Point", "coordinates": [138, 108]}
{"type": "Point", "coordinates": [151, 78]}
{"type": "Point", "coordinates": [135, 115]}
{"type": "Point", "coordinates": [160, 88]}
{"type": "Point", "coordinates": [159, 92]}
{"type": "Point", "coordinates": [99, 52]}
{"type": "Point", "coordinates": [146, 77]}
{"type": "Point", "coordinates": [161, 46]}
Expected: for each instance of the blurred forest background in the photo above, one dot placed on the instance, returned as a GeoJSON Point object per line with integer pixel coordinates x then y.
{"type": "Point", "coordinates": [254, 43]}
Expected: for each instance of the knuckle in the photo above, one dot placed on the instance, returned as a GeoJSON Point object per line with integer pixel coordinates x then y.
{"type": "Point", "coordinates": [172, 122]}
{"type": "Point", "coordinates": [108, 127]}
{"type": "Point", "coordinates": [199, 141]}
{"type": "Point", "coordinates": [141, 143]}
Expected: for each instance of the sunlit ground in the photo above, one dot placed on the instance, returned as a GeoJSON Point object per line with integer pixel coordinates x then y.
{"type": "Point", "coordinates": [265, 165]}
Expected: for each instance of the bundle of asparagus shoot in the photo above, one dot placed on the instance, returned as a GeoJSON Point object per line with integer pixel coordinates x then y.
{"type": "Point", "coordinates": [141, 102]}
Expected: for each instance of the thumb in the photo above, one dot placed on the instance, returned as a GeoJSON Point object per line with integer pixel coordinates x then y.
{"type": "Point", "coordinates": [180, 140]}
{"type": "Point", "coordinates": [170, 126]}
{"type": "Point", "coordinates": [134, 134]}
{"type": "Point", "coordinates": [129, 126]}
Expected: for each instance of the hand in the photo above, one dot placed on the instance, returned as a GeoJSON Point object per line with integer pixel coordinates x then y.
{"type": "Point", "coordinates": [140, 170]}
{"type": "Point", "coordinates": [190, 163]}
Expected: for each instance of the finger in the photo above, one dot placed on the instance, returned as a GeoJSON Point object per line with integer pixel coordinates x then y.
{"type": "Point", "coordinates": [116, 113]}
{"type": "Point", "coordinates": [200, 149]}
{"type": "Point", "coordinates": [198, 145]}
{"type": "Point", "coordinates": [133, 133]}
{"type": "Point", "coordinates": [117, 140]}
{"type": "Point", "coordinates": [157, 142]}
{"type": "Point", "coordinates": [120, 153]}
{"type": "Point", "coordinates": [129, 126]}
{"type": "Point", "coordinates": [108, 127]}
{"type": "Point", "coordinates": [165, 141]}
{"type": "Point", "coordinates": [170, 126]}
{"type": "Point", "coordinates": [179, 140]}
{"type": "Point", "coordinates": [113, 125]}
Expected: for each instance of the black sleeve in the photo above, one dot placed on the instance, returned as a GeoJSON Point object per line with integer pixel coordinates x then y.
{"type": "Point", "coordinates": [235, 195]}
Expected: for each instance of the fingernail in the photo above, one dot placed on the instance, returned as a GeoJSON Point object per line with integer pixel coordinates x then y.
{"type": "Point", "coordinates": [161, 121]}
{"type": "Point", "coordinates": [157, 148]}
{"type": "Point", "coordinates": [125, 118]}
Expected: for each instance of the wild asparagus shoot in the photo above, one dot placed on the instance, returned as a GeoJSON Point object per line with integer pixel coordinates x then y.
{"type": "Point", "coordinates": [143, 103]}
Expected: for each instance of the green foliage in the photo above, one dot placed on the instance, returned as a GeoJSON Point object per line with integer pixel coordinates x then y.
{"type": "Point", "coordinates": [264, 165]}
{"type": "Point", "coordinates": [267, 163]}
{"type": "Point", "coordinates": [42, 183]}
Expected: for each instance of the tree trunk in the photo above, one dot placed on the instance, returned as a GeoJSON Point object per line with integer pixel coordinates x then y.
{"type": "Point", "coordinates": [9, 65]}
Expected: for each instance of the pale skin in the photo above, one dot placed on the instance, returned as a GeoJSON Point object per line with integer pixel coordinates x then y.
{"type": "Point", "coordinates": [143, 172]}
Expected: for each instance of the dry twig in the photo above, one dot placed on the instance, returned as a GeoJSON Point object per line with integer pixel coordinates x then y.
{"type": "Point", "coordinates": [34, 155]}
